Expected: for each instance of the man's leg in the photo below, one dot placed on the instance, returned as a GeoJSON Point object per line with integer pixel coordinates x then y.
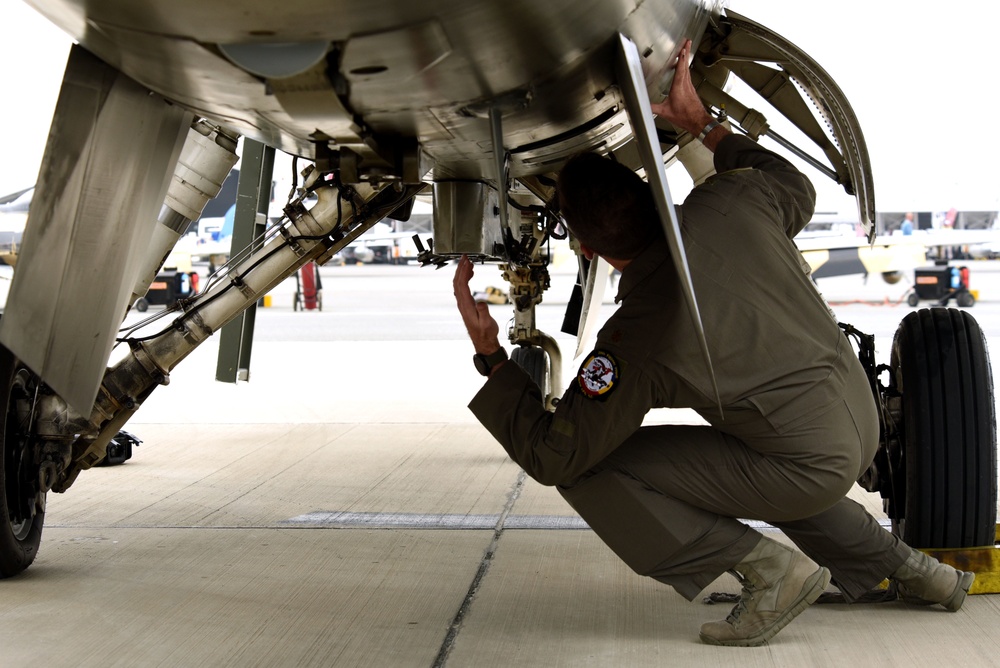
{"type": "Point", "coordinates": [658, 536]}
{"type": "Point", "coordinates": [666, 500]}
{"type": "Point", "coordinates": [848, 541]}
{"type": "Point", "coordinates": [860, 554]}
{"type": "Point", "coordinates": [712, 475]}
{"type": "Point", "coordinates": [687, 548]}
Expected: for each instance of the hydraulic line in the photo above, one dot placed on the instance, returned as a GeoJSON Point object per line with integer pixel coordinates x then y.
{"type": "Point", "coordinates": [309, 235]}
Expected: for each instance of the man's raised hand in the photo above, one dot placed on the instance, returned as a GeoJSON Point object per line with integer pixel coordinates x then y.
{"type": "Point", "coordinates": [483, 329]}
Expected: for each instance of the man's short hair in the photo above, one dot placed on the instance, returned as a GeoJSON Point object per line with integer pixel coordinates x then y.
{"type": "Point", "coordinates": [607, 206]}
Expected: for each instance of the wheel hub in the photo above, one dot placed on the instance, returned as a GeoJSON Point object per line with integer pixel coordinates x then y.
{"type": "Point", "coordinates": [20, 468]}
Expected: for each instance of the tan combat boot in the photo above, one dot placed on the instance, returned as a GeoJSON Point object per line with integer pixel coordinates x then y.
{"type": "Point", "coordinates": [778, 584]}
{"type": "Point", "coordinates": [924, 580]}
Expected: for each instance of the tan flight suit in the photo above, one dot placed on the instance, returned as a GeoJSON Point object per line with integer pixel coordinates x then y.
{"type": "Point", "coordinates": [798, 422]}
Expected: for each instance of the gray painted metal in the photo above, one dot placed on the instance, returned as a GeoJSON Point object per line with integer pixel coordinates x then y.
{"type": "Point", "coordinates": [112, 149]}
{"type": "Point", "coordinates": [253, 195]}
{"type": "Point", "coordinates": [428, 69]}
{"type": "Point", "coordinates": [467, 218]}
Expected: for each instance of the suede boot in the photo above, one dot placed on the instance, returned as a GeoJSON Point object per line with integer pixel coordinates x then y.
{"type": "Point", "coordinates": [778, 583]}
{"type": "Point", "coordinates": [924, 580]}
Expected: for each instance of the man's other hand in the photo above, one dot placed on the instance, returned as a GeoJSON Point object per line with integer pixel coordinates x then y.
{"type": "Point", "coordinates": [483, 329]}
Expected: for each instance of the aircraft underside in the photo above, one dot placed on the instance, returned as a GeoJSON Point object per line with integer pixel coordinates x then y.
{"type": "Point", "coordinates": [477, 103]}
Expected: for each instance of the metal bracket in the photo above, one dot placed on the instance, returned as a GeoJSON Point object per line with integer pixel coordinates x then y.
{"type": "Point", "coordinates": [500, 161]}
{"type": "Point", "coordinates": [253, 195]}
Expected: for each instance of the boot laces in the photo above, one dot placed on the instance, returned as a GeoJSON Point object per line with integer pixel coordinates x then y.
{"type": "Point", "coordinates": [746, 597]}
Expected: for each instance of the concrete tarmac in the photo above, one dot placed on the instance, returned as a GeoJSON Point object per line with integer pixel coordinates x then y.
{"type": "Point", "coordinates": [344, 508]}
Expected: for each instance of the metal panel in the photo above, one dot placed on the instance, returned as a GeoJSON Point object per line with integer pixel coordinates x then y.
{"type": "Point", "coordinates": [467, 219]}
{"type": "Point", "coordinates": [252, 198]}
{"type": "Point", "coordinates": [439, 56]}
{"type": "Point", "coordinates": [111, 150]}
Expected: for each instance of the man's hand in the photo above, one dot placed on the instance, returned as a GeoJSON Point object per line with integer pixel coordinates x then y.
{"type": "Point", "coordinates": [683, 107]}
{"type": "Point", "coordinates": [483, 329]}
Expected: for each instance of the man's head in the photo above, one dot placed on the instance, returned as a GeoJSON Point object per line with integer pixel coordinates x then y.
{"type": "Point", "coordinates": [607, 206]}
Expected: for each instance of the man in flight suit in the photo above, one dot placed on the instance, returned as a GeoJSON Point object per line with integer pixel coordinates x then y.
{"type": "Point", "coordinates": [797, 424]}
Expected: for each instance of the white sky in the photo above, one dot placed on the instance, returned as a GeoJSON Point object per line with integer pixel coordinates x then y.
{"type": "Point", "coordinates": [923, 84]}
{"type": "Point", "coordinates": [922, 79]}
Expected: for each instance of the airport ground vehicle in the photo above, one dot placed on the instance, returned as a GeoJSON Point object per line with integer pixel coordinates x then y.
{"type": "Point", "coordinates": [942, 283]}
{"type": "Point", "coordinates": [169, 286]}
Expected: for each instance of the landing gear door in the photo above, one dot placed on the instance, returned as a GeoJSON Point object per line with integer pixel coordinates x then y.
{"type": "Point", "coordinates": [785, 77]}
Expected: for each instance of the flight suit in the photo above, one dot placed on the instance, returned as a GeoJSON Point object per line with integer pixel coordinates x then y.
{"type": "Point", "coordinates": [797, 424]}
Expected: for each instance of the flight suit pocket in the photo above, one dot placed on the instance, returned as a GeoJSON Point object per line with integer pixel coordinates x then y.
{"type": "Point", "coordinates": [788, 408]}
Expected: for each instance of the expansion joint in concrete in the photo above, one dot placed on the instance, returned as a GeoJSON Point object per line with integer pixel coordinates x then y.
{"type": "Point", "coordinates": [484, 566]}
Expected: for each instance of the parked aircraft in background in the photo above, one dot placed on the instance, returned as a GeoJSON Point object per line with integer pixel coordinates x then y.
{"type": "Point", "coordinates": [839, 253]}
{"type": "Point", "coordinates": [479, 101]}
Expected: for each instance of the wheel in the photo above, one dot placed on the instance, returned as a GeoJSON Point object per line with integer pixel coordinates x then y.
{"type": "Point", "coordinates": [141, 305]}
{"type": "Point", "coordinates": [966, 299]}
{"type": "Point", "coordinates": [892, 277]}
{"type": "Point", "coordinates": [941, 367]}
{"type": "Point", "coordinates": [535, 363]}
{"type": "Point", "coordinates": [913, 299]}
{"type": "Point", "coordinates": [21, 515]}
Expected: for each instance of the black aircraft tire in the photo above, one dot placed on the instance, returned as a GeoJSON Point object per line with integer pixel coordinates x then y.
{"type": "Point", "coordinates": [535, 363]}
{"type": "Point", "coordinates": [941, 366]}
{"type": "Point", "coordinates": [20, 531]}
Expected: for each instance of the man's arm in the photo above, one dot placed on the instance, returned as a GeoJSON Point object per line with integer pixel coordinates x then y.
{"type": "Point", "coordinates": [791, 190]}
{"type": "Point", "coordinates": [553, 448]}
{"type": "Point", "coordinates": [788, 188]}
{"type": "Point", "coordinates": [557, 448]}
{"type": "Point", "coordinates": [483, 329]}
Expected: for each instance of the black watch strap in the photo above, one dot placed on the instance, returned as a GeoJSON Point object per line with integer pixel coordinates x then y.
{"type": "Point", "coordinates": [485, 363]}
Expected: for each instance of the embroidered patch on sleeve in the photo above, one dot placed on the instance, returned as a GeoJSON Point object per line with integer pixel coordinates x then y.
{"type": "Point", "coordinates": [598, 375]}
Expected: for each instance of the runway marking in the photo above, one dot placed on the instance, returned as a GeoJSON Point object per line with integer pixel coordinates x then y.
{"type": "Point", "coordinates": [368, 520]}
{"type": "Point", "coordinates": [336, 519]}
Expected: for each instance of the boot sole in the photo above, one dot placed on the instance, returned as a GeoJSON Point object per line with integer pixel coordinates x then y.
{"type": "Point", "coordinates": [953, 603]}
{"type": "Point", "coordinates": [814, 585]}
{"type": "Point", "coordinates": [957, 598]}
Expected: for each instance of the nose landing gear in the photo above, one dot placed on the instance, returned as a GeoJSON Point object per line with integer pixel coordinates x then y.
{"type": "Point", "coordinates": [936, 466]}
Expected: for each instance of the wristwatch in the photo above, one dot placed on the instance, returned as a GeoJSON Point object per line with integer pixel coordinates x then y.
{"type": "Point", "coordinates": [485, 363]}
{"type": "Point", "coordinates": [711, 125]}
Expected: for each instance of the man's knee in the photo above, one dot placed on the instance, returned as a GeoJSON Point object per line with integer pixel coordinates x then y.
{"type": "Point", "coordinates": [619, 510]}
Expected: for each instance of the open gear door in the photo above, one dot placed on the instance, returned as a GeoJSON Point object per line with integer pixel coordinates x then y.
{"type": "Point", "coordinates": [796, 87]}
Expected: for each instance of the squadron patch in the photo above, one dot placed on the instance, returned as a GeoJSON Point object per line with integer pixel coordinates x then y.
{"type": "Point", "coordinates": [598, 375]}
